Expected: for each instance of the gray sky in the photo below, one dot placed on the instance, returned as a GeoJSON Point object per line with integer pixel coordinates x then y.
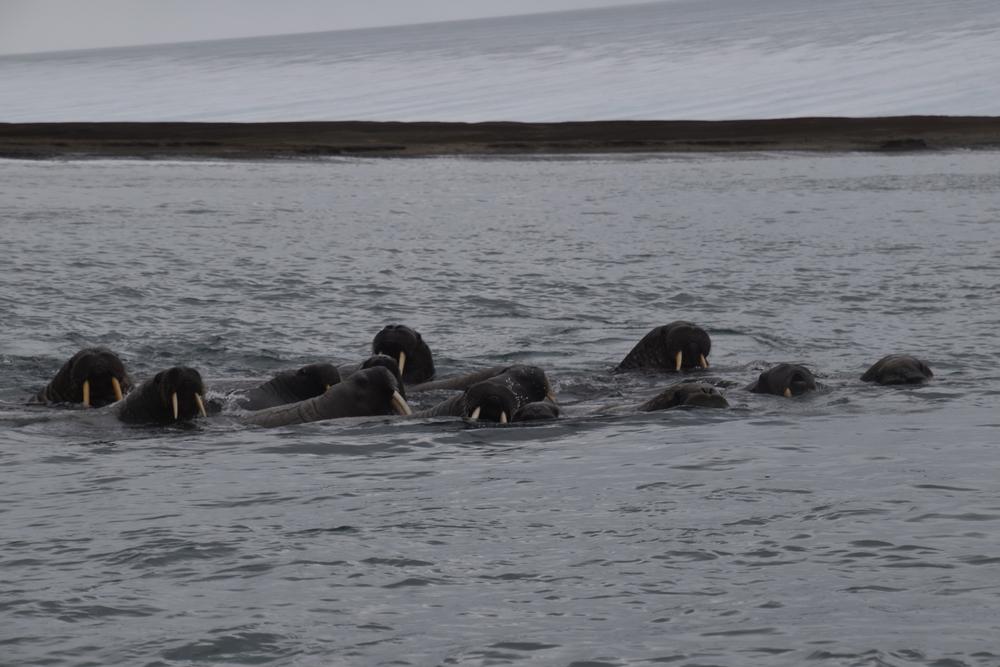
{"type": "Point", "coordinates": [51, 25]}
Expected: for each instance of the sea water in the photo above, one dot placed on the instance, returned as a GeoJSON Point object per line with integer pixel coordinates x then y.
{"type": "Point", "coordinates": [853, 526]}
{"type": "Point", "coordinates": [680, 59]}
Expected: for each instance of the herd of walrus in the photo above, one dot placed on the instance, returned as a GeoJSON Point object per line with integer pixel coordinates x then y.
{"type": "Point", "coordinates": [402, 365]}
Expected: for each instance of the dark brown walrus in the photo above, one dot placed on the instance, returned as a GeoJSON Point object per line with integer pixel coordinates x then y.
{"type": "Point", "coordinates": [676, 346]}
{"type": "Point", "coordinates": [93, 377]}
{"type": "Point", "coordinates": [898, 369]}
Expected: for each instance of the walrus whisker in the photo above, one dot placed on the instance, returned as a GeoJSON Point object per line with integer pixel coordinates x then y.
{"type": "Point", "coordinates": [173, 401]}
{"type": "Point", "coordinates": [399, 403]}
{"type": "Point", "coordinates": [86, 393]}
{"type": "Point", "coordinates": [200, 404]}
{"type": "Point", "coordinates": [117, 387]}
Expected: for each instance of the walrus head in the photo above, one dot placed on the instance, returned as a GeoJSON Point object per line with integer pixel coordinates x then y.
{"type": "Point", "coordinates": [898, 369]}
{"type": "Point", "coordinates": [371, 391]}
{"type": "Point", "coordinates": [676, 346]}
{"type": "Point", "coordinates": [785, 380]}
{"type": "Point", "coordinates": [691, 394]}
{"type": "Point", "coordinates": [519, 393]}
{"type": "Point", "coordinates": [173, 395]}
{"type": "Point", "coordinates": [407, 347]}
{"type": "Point", "coordinates": [93, 377]}
{"type": "Point", "coordinates": [536, 411]}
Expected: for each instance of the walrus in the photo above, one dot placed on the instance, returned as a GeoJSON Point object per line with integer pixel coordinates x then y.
{"type": "Point", "coordinates": [93, 377]}
{"type": "Point", "coordinates": [676, 346]}
{"type": "Point", "coordinates": [407, 347]}
{"type": "Point", "coordinates": [291, 387]}
{"type": "Point", "coordinates": [517, 393]}
{"type": "Point", "coordinates": [898, 369]}
{"type": "Point", "coordinates": [368, 392]}
{"type": "Point", "coordinates": [686, 394]}
{"type": "Point", "coordinates": [784, 380]}
{"type": "Point", "coordinates": [172, 395]}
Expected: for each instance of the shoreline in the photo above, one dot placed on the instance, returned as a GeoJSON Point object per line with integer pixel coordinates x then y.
{"type": "Point", "coordinates": [284, 140]}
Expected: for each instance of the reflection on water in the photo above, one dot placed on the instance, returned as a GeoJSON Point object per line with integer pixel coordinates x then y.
{"type": "Point", "coordinates": [838, 528]}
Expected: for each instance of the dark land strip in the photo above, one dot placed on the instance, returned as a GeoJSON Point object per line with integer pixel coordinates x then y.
{"type": "Point", "coordinates": [395, 139]}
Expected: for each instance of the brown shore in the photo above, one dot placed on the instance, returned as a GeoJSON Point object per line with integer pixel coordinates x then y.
{"type": "Point", "coordinates": [392, 139]}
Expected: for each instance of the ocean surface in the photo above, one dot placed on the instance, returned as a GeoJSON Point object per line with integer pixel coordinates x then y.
{"type": "Point", "coordinates": [678, 59]}
{"type": "Point", "coordinates": [857, 526]}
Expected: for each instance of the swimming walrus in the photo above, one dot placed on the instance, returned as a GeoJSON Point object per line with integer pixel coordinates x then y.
{"type": "Point", "coordinates": [93, 377]}
{"type": "Point", "coordinates": [367, 392]}
{"type": "Point", "coordinates": [172, 395]}
{"type": "Point", "coordinates": [291, 387]}
{"type": "Point", "coordinates": [407, 347]}
{"type": "Point", "coordinates": [784, 380]}
{"type": "Point", "coordinates": [516, 393]}
{"type": "Point", "coordinates": [898, 369]}
{"type": "Point", "coordinates": [676, 346]}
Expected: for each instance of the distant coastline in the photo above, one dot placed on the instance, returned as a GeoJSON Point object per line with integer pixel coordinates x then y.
{"type": "Point", "coordinates": [420, 139]}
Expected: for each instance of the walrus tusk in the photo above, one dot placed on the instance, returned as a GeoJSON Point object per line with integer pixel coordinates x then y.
{"type": "Point", "coordinates": [117, 387]}
{"type": "Point", "coordinates": [788, 392]}
{"type": "Point", "coordinates": [173, 401]}
{"type": "Point", "coordinates": [86, 393]}
{"type": "Point", "coordinates": [475, 414]}
{"type": "Point", "coordinates": [503, 417]}
{"type": "Point", "coordinates": [399, 403]}
{"type": "Point", "coordinates": [201, 405]}
{"type": "Point", "coordinates": [703, 360]}
{"type": "Point", "coordinates": [401, 361]}
{"type": "Point", "coordinates": [551, 395]}
{"type": "Point", "coordinates": [327, 388]}
{"type": "Point", "coordinates": [678, 358]}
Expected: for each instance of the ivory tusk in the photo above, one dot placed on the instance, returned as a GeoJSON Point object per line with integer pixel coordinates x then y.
{"type": "Point", "coordinates": [401, 361]}
{"type": "Point", "coordinates": [399, 404]}
{"type": "Point", "coordinates": [201, 405]}
{"type": "Point", "coordinates": [788, 392]}
{"type": "Point", "coordinates": [678, 358]}
{"type": "Point", "coordinates": [173, 400]}
{"type": "Point", "coordinates": [117, 387]}
{"type": "Point", "coordinates": [703, 360]}
{"type": "Point", "coordinates": [86, 393]}
{"type": "Point", "coordinates": [503, 417]}
{"type": "Point", "coordinates": [475, 414]}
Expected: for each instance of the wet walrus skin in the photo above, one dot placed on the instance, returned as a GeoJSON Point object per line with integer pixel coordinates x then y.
{"type": "Point", "coordinates": [368, 392]}
{"type": "Point", "coordinates": [686, 394]}
{"type": "Point", "coordinates": [171, 396]}
{"type": "Point", "coordinates": [517, 393]}
{"type": "Point", "coordinates": [898, 369]}
{"type": "Point", "coordinates": [676, 346]}
{"type": "Point", "coordinates": [784, 380]}
{"type": "Point", "coordinates": [407, 347]}
{"type": "Point", "coordinates": [291, 387]}
{"type": "Point", "coordinates": [89, 377]}
{"type": "Point", "coordinates": [390, 364]}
